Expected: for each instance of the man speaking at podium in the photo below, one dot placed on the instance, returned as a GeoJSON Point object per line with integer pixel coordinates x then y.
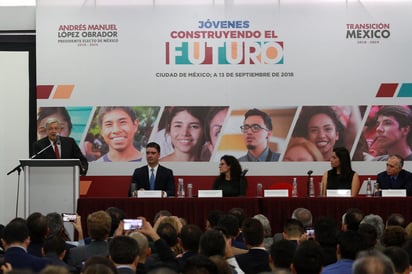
{"type": "Point", "coordinates": [54, 146]}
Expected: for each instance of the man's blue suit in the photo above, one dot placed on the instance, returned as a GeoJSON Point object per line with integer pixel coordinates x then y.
{"type": "Point", "coordinates": [20, 259]}
{"type": "Point", "coordinates": [164, 180]}
{"type": "Point", "coordinates": [69, 150]}
{"type": "Point", "coordinates": [403, 181]}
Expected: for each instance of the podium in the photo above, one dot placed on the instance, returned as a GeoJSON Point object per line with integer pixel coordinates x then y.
{"type": "Point", "coordinates": [51, 185]}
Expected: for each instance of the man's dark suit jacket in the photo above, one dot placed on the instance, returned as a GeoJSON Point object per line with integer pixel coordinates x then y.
{"type": "Point", "coordinates": [164, 180]}
{"type": "Point", "coordinates": [69, 150]}
{"type": "Point", "coordinates": [403, 181]}
{"type": "Point", "coordinates": [20, 259]}
{"type": "Point", "coordinates": [255, 261]}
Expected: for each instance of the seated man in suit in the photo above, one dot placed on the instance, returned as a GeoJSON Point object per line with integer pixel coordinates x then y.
{"type": "Point", "coordinates": [153, 176]}
{"type": "Point", "coordinates": [395, 177]}
{"type": "Point", "coordinates": [58, 147]}
{"type": "Point", "coordinates": [16, 240]}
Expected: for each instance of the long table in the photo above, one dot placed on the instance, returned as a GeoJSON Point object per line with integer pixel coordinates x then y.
{"type": "Point", "coordinates": [195, 210]}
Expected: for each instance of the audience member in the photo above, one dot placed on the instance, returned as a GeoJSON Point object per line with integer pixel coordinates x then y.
{"type": "Point", "coordinates": [256, 260]}
{"type": "Point", "coordinates": [213, 218]}
{"type": "Point", "coordinates": [16, 240]}
{"type": "Point", "coordinates": [144, 251]}
{"type": "Point", "coordinates": [38, 229]}
{"type": "Point", "coordinates": [341, 176]}
{"type": "Point", "coordinates": [396, 219]}
{"type": "Point", "coordinates": [230, 180]}
{"type": "Point", "coordinates": [267, 231]}
{"type": "Point", "coordinates": [303, 215]}
{"type": "Point", "coordinates": [98, 227]}
{"type": "Point", "coordinates": [293, 231]}
{"type": "Point", "coordinates": [369, 235]}
{"type": "Point", "coordinates": [124, 253]}
{"type": "Point", "coordinates": [399, 258]}
{"type": "Point", "coordinates": [222, 265]}
{"type": "Point", "coordinates": [117, 215]}
{"type": "Point", "coordinates": [199, 264]}
{"type": "Point", "coordinates": [351, 219]}
{"type": "Point", "coordinates": [55, 269]}
{"type": "Point", "coordinates": [395, 176]}
{"type": "Point", "coordinates": [372, 262]}
{"type": "Point", "coordinates": [54, 249]}
{"type": "Point", "coordinates": [189, 239]}
{"type": "Point", "coordinates": [257, 130]}
{"type": "Point", "coordinates": [307, 259]}
{"type": "Point", "coordinates": [281, 254]}
{"type": "Point", "coordinates": [231, 225]}
{"type": "Point", "coordinates": [394, 236]}
{"type": "Point", "coordinates": [377, 222]}
{"type": "Point", "coordinates": [350, 243]}
{"type": "Point", "coordinates": [326, 235]}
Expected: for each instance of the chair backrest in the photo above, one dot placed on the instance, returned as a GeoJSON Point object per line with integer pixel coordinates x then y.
{"type": "Point", "coordinates": [282, 185]}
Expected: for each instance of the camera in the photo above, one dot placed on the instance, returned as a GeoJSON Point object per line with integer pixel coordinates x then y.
{"type": "Point", "coordinates": [69, 217]}
{"type": "Point", "coordinates": [132, 224]}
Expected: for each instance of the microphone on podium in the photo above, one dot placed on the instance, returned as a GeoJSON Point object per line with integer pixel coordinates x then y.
{"type": "Point", "coordinates": [243, 173]}
{"type": "Point", "coordinates": [58, 141]}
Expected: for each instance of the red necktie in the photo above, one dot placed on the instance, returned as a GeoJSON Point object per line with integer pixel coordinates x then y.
{"type": "Point", "coordinates": [56, 150]}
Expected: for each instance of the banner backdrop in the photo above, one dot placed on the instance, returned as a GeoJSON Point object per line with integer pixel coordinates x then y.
{"type": "Point", "coordinates": [289, 80]}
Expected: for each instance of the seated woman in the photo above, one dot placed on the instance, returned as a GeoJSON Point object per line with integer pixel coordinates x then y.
{"type": "Point", "coordinates": [341, 176]}
{"type": "Point", "coordinates": [230, 181]}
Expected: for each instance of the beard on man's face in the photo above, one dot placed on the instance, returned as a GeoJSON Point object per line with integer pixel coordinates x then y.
{"type": "Point", "coordinates": [251, 147]}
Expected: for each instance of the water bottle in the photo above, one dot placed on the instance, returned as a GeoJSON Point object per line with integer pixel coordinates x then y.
{"type": "Point", "coordinates": [369, 188]}
{"type": "Point", "coordinates": [376, 190]}
{"type": "Point", "coordinates": [189, 190]}
{"type": "Point", "coordinates": [294, 188]}
{"type": "Point", "coordinates": [180, 188]}
{"type": "Point", "coordinates": [311, 188]}
{"type": "Point", "coordinates": [259, 190]}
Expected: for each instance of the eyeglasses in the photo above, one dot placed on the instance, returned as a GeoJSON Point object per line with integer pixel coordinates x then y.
{"type": "Point", "coordinates": [254, 127]}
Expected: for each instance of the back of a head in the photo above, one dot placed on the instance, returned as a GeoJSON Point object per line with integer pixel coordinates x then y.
{"type": "Point", "coordinates": [55, 223]}
{"type": "Point", "coordinates": [168, 233]}
{"type": "Point", "coordinates": [38, 227]}
{"type": "Point", "coordinates": [190, 237]}
{"type": "Point", "coordinates": [303, 215]}
{"type": "Point", "coordinates": [230, 223]}
{"type": "Point", "coordinates": [162, 270]}
{"type": "Point", "coordinates": [199, 264]}
{"type": "Point", "coordinates": [396, 219]}
{"type": "Point", "coordinates": [351, 242]}
{"type": "Point", "coordinates": [293, 228]}
{"type": "Point", "coordinates": [16, 231]}
{"type": "Point", "coordinates": [117, 215]}
{"type": "Point", "coordinates": [399, 258]}
{"type": "Point", "coordinates": [55, 245]}
{"type": "Point", "coordinates": [372, 262]}
{"type": "Point", "coordinates": [239, 213]}
{"type": "Point", "coordinates": [55, 269]}
{"type": "Point", "coordinates": [352, 218]}
{"type": "Point", "coordinates": [282, 253]}
{"type": "Point", "coordinates": [308, 258]}
{"type": "Point", "coordinates": [104, 265]}
{"type": "Point", "coordinates": [142, 243]}
{"type": "Point", "coordinates": [394, 236]}
{"type": "Point", "coordinates": [99, 224]}
{"type": "Point", "coordinates": [161, 213]}
{"type": "Point", "coordinates": [326, 231]}
{"type": "Point", "coordinates": [123, 250]}
{"type": "Point", "coordinates": [212, 242]}
{"type": "Point", "coordinates": [369, 234]}
{"type": "Point", "coordinates": [267, 229]}
{"type": "Point", "coordinates": [223, 267]}
{"type": "Point", "coordinates": [376, 221]}
{"type": "Point", "coordinates": [252, 231]}
{"type": "Point", "coordinates": [213, 217]}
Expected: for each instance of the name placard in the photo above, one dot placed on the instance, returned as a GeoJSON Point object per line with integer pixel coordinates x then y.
{"type": "Point", "coordinates": [276, 193]}
{"type": "Point", "coordinates": [393, 192]}
{"type": "Point", "coordinates": [338, 193]}
{"type": "Point", "coordinates": [149, 194]}
{"type": "Point", "coordinates": [209, 193]}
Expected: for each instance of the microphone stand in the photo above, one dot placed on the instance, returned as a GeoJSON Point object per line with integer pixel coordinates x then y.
{"type": "Point", "coordinates": [18, 169]}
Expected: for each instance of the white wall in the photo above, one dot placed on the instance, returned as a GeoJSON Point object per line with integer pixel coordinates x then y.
{"type": "Point", "coordinates": [14, 112]}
